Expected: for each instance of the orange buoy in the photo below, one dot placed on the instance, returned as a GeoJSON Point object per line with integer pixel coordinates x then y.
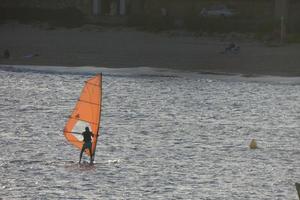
{"type": "Point", "coordinates": [253, 144]}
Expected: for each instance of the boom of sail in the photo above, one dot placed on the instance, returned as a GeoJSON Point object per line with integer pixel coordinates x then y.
{"type": "Point", "coordinates": [87, 113]}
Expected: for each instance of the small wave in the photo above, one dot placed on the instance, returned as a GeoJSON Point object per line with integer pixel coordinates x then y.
{"type": "Point", "coordinates": [31, 108]}
{"type": "Point", "coordinates": [144, 72]}
{"type": "Point", "coordinates": [25, 162]}
{"type": "Point", "coordinates": [116, 161]}
{"type": "Point", "coordinates": [42, 70]}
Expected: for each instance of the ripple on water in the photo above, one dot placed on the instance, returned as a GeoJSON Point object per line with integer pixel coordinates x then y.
{"type": "Point", "coordinates": [162, 137]}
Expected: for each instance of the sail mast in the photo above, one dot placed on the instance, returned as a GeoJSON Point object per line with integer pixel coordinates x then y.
{"type": "Point", "coordinates": [97, 134]}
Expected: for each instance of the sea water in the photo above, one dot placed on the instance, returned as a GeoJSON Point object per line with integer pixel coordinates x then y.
{"type": "Point", "coordinates": [164, 135]}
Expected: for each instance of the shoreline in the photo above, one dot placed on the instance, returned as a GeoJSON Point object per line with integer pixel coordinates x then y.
{"type": "Point", "coordinates": [151, 72]}
{"type": "Point", "coordinates": [128, 48]}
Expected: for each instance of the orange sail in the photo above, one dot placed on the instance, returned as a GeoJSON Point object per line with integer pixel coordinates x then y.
{"type": "Point", "coordinates": [87, 113]}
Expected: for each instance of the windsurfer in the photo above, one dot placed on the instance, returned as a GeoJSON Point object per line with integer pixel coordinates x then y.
{"type": "Point", "coordinates": [87, 139]}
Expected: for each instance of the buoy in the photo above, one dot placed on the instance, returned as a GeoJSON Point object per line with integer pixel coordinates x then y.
{"type": "Point", "coordinates": [253, 144]}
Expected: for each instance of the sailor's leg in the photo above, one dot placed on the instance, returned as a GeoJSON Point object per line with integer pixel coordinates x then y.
{"type": "Point", "coordinates": [91, 155]}
{"type": "Point", "coordinates": [82, 150]}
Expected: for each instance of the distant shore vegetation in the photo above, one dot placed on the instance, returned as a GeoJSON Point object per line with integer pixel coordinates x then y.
{"type": "Point", "coordinates": [267, 29]}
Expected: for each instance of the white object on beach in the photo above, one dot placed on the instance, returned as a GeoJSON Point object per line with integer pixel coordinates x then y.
{"type": "Point", "coordinates": [30, 55]}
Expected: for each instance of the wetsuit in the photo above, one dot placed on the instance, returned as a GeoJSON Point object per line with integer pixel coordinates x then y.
{"type": "Point", "coordinates": [87, 144]}
{"type": "Point", "coordinates": [87, 139]}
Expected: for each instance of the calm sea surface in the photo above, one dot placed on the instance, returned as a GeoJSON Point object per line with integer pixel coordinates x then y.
{"type": "Point", "coordinates": [163, 136]}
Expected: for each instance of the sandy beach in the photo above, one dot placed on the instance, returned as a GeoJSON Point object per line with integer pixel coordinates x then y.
{"type": "Point", "coordinates": [124, 47]}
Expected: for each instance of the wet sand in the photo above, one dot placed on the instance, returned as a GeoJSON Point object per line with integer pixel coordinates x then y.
{"type": "Point", "coordinates": [124, 47]}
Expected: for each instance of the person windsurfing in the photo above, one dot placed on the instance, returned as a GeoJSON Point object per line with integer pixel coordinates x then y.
{"type": "Point", "coordinates": [87, 139]}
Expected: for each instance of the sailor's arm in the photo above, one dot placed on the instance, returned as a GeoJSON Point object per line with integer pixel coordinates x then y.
{"type": "Point", "coordinates": [92, 134]}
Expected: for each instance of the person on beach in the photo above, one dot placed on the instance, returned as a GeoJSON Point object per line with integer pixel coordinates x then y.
{"type": "Point", "coordinates": [87, 139]}
{"type": "Point", "coordinates": [233, 48]}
